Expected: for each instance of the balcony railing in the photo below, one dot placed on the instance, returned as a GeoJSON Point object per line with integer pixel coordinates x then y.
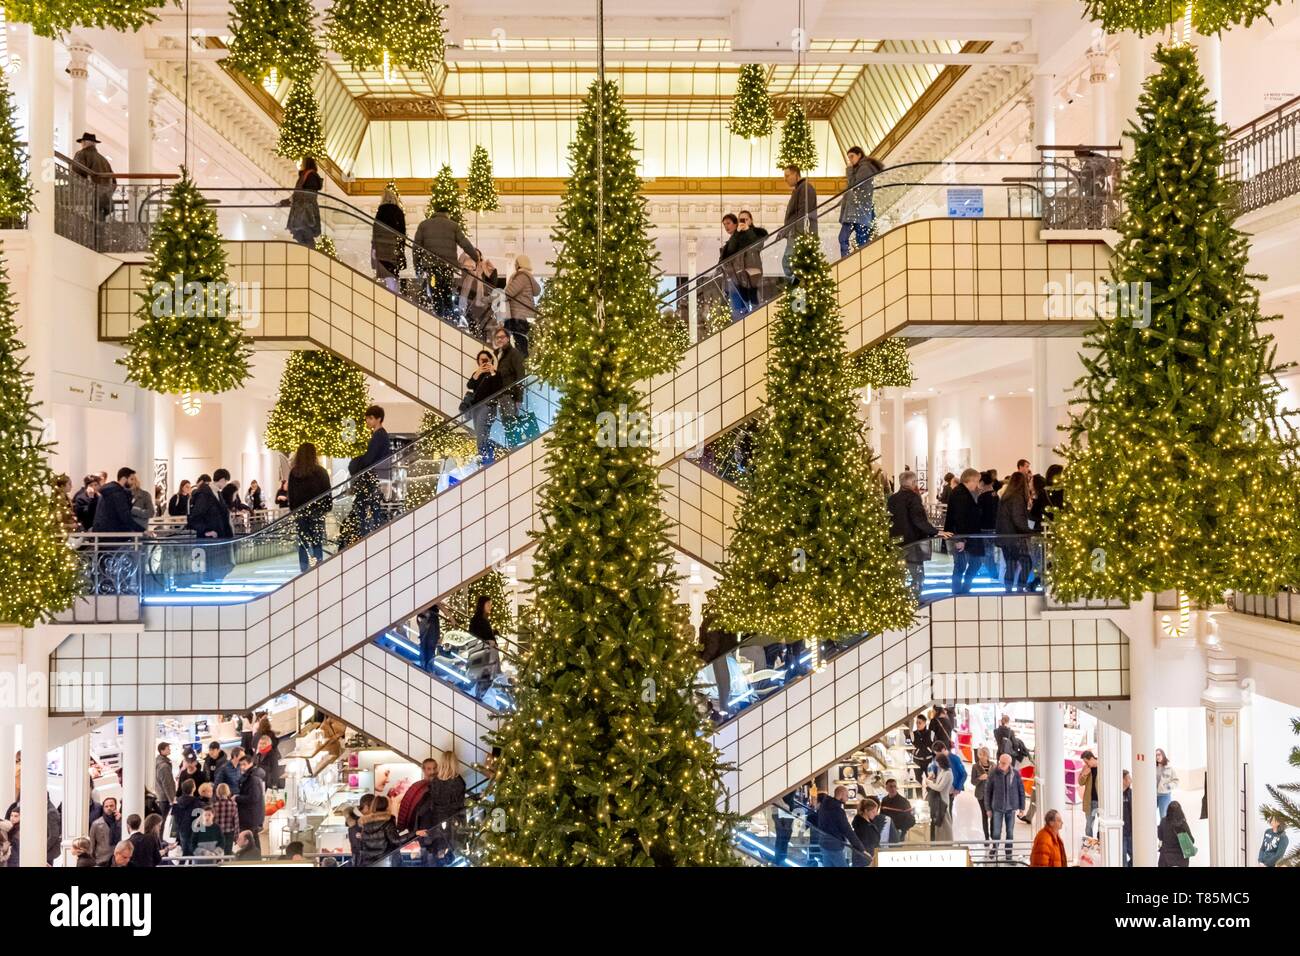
{"type": "Point", "coordinates": [1263, 156]}
{"type": "Point", "coordinates": [1080, 187]}
{"type": "Point", "coordinates": [107, 213]}
{"type": "Point", "coordinates": [1283, 606]}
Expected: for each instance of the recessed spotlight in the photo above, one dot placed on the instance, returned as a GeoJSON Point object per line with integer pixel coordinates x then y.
{"type": "Point", "coordinates": [991, 397]}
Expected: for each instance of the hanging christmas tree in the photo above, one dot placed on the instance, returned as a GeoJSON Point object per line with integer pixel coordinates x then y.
{"type": "Point", "coordinates": [186, 339]}
{"type": "Point", "coordinates": [55, 19]}
{"type": "Point", "coordinates": [1285, 806]}
{"type": "Point", "coordinates": [1145, 17]}
{"type": "Point", "coordinates": [811, 557]}
{"type": "Point", "coordinates": [274, 39]}
{"type": "Point", "coordinates": [886, 365]}
{"type": "Point", "coordinates": [605, 760]}
{"type": "Point", "coordinates": [15, 186]}
{"type": "Point", "coordinates": [458, 609]}
{"type": "Point", "coordinates": [323, 400]}
{"type": "Point", "coordinates": [797, 145]}
{"type": "Point", "coordinates": [751, 106]}
{"type": "Point", "coordinates": [387, 34]}
{"type": "Point", "coordinates": [445, 194]}
{"type": "Point", "coordinates": [39, 574]}
{"type": "Point", "coordinates": [480, 187]}
{"type": "Point", "coordinates": [301, 133]}
{"type": "Point", "coordinates": [1179, 469]}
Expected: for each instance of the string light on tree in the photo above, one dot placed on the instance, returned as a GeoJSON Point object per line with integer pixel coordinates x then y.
{"type": "Point", "coordinates": [186, 339]}
{"type": "Point", "coordinates": [481, 188]}
{"type": "Point", "coordinates": [53, 20]}
{"type": "Point", "coordinates": [443, 444]}
{"type": "Point", "coordinates": [15, 187]}
{"type": "Point", "coordinates": [301, 132]}
{"type": "Point", "coordinates": [327, 245]}
{"type": "Point", "coordinates": [604, 761]}
{"type": "Point", "coordinates": [323, 400]}
{"type": "Point", "coordinates": [797, 145]}
{"type": "Point", "coordinates": [752, 116]}
{"type": "Point", "coordinates": [1180, 470]}
{"type": "Point", "coordinates": [445, 194]}
{"type": "Point", "coordinates": [271, 39]}
{"type": "Point", "coordinates": [387, 34]}
{"type": "Point", "coordinates": [1207, 17]}
{"type": "Point", "coordinates": [795, 572]}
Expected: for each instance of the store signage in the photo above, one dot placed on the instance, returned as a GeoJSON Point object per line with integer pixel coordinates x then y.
{"type": "Point", "coordinates": [965, 202]}
{"type": "Point", "coordinates": [93, 393]}
{"type": "Point", "coordinates": [923, 856]}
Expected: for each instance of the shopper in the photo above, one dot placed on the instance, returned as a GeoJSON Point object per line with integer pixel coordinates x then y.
{"type": "Point", "coordinates": [251, 799]}
{"type": "Point", "coordinates": [225, 815]}
{"type": "Point", "coordinates": [191, 770]}
{"type": "Point", "coordinates": [106, 833]}
{"type": "Point", "coordinates": [1089, 791]}
{"type": "Point", "coordinates": [388, 239]}
{"type": "Point", "coordinates": [945, 489]}
{"type": "Point", "coordinates": [354, 823]}
{"type": "Point", "coordinates": [980, 769]}
{"type": "Point", "coordinates": [1166, 781]}
{"type": "Point", "coordinates": [963, 520]}
{"type": "Point", "coordinates": [1176, 844]}
{"type": "Point", "coordinates": [210, 518]}
{"type": "Point", "coordinates": [480, 625]}
{"type": "Point", "coordinates": [748, 269]}
{"type": "Point", "coordinates": [1048, 849]}
{"type": "Point", "coordinates": [1012, 525]}
{"type": "Point", "coordinates": [510, 375]}
{"type": "Point", "coordinates": [1004, 736]}
{"type": "Point", "coordinates": [521, 298]}
{"type": "Point", "coordinates": [941, 725]}
{"type": "Point", "coordinates": [1273, 848]}
{"type": "Point", "coordinates": [378, 837]}
{"type": "Point", "coordinates": [164, 780]}
{"type": "Point", "coordinates": [219, 769]}
{"type": "Point", "coordinates": [857, 209]}
{"type": "Point", "coordinates": [442, 804]}
{"type": "Point", "coordinates": [800, 213]}
{"type": "Point", "coordinates": [938, 795]}
{"type": "Point", "coordinates": [1005, 793]}
{"type": "Point", "coordinates": [247, 846]}
{"type": "Point", "coordinates": [1128, 818]}
{"type": "Point", "coordinates": [148, 843]}
{"type": "Point", "coordinates": [955, 764]}
{"type": "Point", "coordinates": [909, 523]}
{"type": "Point", "coordinates": [177, 507]}
{"type": "Point", "coordinates": [304, 210]}
{"type": "Point", "coordinates": [899, 811]}
{"type": "Point", "coordinates": [310, 500]}
{"type": "Point", "coordinates": [835, 834]}
{"type": "Point", "coordinates": [368, 470]}
{"type": "Point", "coordinates": [922, 747]}
{"type": "Point", "coordinates": [184, 812]}
{"type": "Point", "coordinates": [866, 825]}
{"type": "Point", "coordinates": [123, 854]}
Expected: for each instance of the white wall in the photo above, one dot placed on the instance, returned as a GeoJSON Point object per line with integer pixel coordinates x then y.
{"type": "Point", "coordinates": [1267, 725]}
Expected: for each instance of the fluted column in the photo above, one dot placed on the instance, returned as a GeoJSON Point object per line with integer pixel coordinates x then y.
{"type": "Point", "coordinates": [79, 71]}
{"type": "Point", "coordinates": [1223, 704]}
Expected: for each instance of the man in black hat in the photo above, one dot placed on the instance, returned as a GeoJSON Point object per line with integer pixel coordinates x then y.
{"type": "Point", "coordinates": [92, 165]}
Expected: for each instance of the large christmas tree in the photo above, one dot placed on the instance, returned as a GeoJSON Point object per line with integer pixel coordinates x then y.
{"type": "Point", "coordinates": [1180, 472]}
{"type": "Point", "coordinates": [445, 193]}
{"type": "Point", "coordinates": [187, 339]}
{"type": "Point", "coordinates": [811, 557]}
{"type": "Point", "coordinates": [15, 187]}
{"type": "Point", "coordinates": [323, 400]}
{"type": "Point", "coordinates": [301, 133]}
{"type": "Point", "coordinates": [39, 574]}
{"type": "Point", "coordinates": [604, 760]}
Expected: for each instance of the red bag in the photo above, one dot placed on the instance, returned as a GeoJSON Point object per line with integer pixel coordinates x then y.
{"type": "Point", "coordinates": [411, 799]}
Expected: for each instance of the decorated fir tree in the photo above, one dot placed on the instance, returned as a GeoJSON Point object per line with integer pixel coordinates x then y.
{"type": "Point", "coordinates": [445, 194]}
{"type": "Point", "coordinates": [323, 400]}
{"type": "Point", "coordinates": [56, 19]}
{"type": "Point", "coordinates": [480, 187]}
{"type": "Point", "coordinates": [605, 760]}
{"type": "Point", "coordinates": [1179, 470]}
{"type": "Point", "coordinates": [40, 574]}
{"type": "Point", "coordinates": [797, 145]}
{"type": "Point", "coordinates": [443, 444]}
{"type": "Point", "coordinates": [15, 186]}
{"type": "Point", "coordinates": [327, 245]}
{"type": "Point", "coordinates": [886, 365]}
{"type": "Point", "coordinates": [751, 106]}
{"type": "Point", "coordinates": [1145, 17]}
{"type": "Point", "coordinates": [458, 609]}
{"type": "Point", "coordinates": [274, 39]}
{"type": "Point", "coordinates": [811, 557]}
{"type": "Point", "coordinates": [187, 339]}
{"type": "Point", "coordinates": [301, 133]}
{"type": "Point", "coordinates": [387, 34]}
{"type": "Point", "coordinates": [1285, 806]}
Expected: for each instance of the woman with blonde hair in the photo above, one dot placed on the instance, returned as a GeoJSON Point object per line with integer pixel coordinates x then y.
{"type": "Point", "coordinates": [521, 297]}
{"type": "Point", "coordinates": [388, 239]}
{"type": "Point", "coordinates": [442, 807]}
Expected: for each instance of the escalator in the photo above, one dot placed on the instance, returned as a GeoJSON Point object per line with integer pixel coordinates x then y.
{"type": "Point", "coordinates": [446, 524]}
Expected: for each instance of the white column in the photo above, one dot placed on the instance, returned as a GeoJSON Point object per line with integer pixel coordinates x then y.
{"type": "Point", "coordinates": [76, 788]}
{"type": "Point", "coordinates": [875, 420]}
{"type": "Point", "coordinates": [36, 744]}
{"type": "Point", "coordinates": [1049, 761]}
{"type": "Point", "coordinates": [1043, 421]}
{"type": "Point", "coordinates": [1132, 71]}
{"type": "Point", "coordinates": [1044, 97]}
{"type": "Point", "coordinates": [692, 299]}
{"type": "Point", "coordinates": [8, 744]}
{"type": "Point", "coordinates": [139, 135]}
{"type": "Point", "coordinates": [79, 71]}
{"type": "Point", "coordinates": [1209, 54]}
{"type": "Point", "coordinates": [144, 423]}
{"type": "Point", "coordinates": [1223, 705]}
{"type": "Point", "coordinates": [1142, 713]}
{"type": "Point", "coordinates": [137, 764]}
{"type": "Point", "coordinates": [898, 438]}
{"type": "Point", "coordinates": [1097, 60]}
{"type": "Point", "coordinates": [1110, 798]}
{"type": "Point", "coordinates": [38, 306]}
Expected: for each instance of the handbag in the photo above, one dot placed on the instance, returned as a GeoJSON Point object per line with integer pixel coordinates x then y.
{"type": "Point", "coordinates": [1186, 845]}
{"type": "Point", "coordinates": [467, 402]}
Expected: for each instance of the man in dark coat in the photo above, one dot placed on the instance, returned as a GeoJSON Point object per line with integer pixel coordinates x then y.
{"type": "Point", "coordinates": [366, 498]}
{"type": "Point", "coordinates": [210, 521]}
{"type": "Point", "coordinates": [510, 372]}
{"type": "Point", "coordinates": [113, 513]}
{"type": "Point", "coordinates": [963, 518]}
{"type": "Point", "coordinates": [835, 833]}
{"type": "Point", "coordinates": [908, 522]}
{"type": "Point", "coordinates": [251, 799]}
{"type": "Point", "coordinates": [800, 212]}
{"type": "Point", "coordinates": [90, 163]}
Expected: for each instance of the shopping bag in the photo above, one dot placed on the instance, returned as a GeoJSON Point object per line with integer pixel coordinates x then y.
{"type": "Point", "coordinates": [1186, 845]}
{"type": "Point", "coordinates": [1090, 852]}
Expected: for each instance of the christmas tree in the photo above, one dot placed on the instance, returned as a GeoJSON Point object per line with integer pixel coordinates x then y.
{"type": "Point", "coordinates": [481, 188]}
{"type": "Point", "coordinates": [605, 760]}
{"type": "Point", "coordinates": [751, 107]}
{"type": "Point", "coordinates": [301, 133]}
{"type": "Point", "coordinates": [1285, 807]}
{"type": "Point", "coordinates": [1144, 17]}
{"type": "Point", "coordinates": [387, 34]}
{"type": "Point", "coordinates": [39, 574]}
{"type": "Point", "coordinates": [445, 194]}
{"type": "Point", "coordinates": [323, 400]}
{"type": "Point", "coordinates": [1179, 470]}
{"type": "Point", "coordinates": [274, 35]}
{"type": "Point", "coordinates": [797, 145]}
{"type": "Point", "coordinates": [187, 340]}
{"type": "Point", "coordinates": [812, 557]}
{"type": "Point", "coordinates": [441, 441]}
{"type": "Point", "coordinates": [15, 187]}
{"type": "Point", "coordinates": [55, 19]}
{"type": "Point", "coordinates": [458, 609]}
{"type": "Point", "coordinates": [327, 245]}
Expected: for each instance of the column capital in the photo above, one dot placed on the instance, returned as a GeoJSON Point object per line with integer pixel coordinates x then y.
{"type": "Point", "coordinates": [79, 53]}
{"type": "Point", "coordinates": [1223, 693]}
{"type": "Point", "coordinates": [1098, 66]}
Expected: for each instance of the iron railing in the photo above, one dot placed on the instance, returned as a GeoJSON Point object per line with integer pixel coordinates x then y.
{"type": "Point", "coordinates": [1283, 606]}
{"type": "Point", "coordinates": [1080, 187]}
{"type": "Point", "coordinates": [1263, 157]}
{"type": "Point", "coordinates": [107, 213]}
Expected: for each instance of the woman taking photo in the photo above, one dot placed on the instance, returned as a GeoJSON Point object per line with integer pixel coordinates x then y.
{"type": "Point", "coordinates": [309, 483]}
{"type": "Point", "coordinates": [938, 787]}
{"type": "Point", "coordinates": [482, 385]}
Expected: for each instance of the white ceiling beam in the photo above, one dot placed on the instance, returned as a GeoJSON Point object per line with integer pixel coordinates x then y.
{"type": "Point", "coordinates": [565, 27]}
{"type": "Point", "coordinates": [739, 56]}
{"type": "Point", "coordinates": [923, 28]}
